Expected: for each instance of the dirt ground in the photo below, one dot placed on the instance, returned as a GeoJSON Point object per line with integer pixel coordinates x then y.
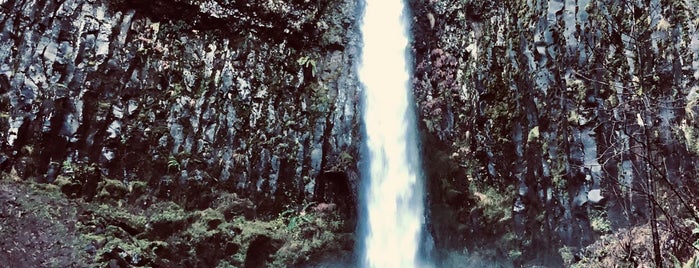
{"type": "Point", "coordinates": [38, 227]}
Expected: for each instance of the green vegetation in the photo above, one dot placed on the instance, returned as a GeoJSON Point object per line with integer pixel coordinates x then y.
{"type": "Point", "coordinates": [536, 103]}
{"type": "Point", "coordinates": [600, 223]}
{"type": "Point", "coordinates": [165, 234]}
{"type": "Point", "coordinates": [173, 164]}
{"type": "Point", "coordinates": [308, 63]}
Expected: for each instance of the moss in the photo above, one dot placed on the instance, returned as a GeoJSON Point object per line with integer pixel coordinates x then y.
{"type": "Point", "coordinates": [533, 134]}
{"type": "Point", "coordinates": [207, 222]}
{"type": "Point", "coordinates": [248, 230]}
{"type": "Point", "coordinates": [166, 235]}
{"type": "Point", "coordinates": [134, 251]}
{"type": "Point", "coordinates": [166, 219]}
{"type": "Point", "coordinates": [47, 187]}
{"type": "Point", "coordinates": [208, 231]}
{"type": "Point", "coordinates": [496, 206]}
{"type": "Point", "coordinates": [110, 190]}
{"type": "Point", "coordinates": [61, 181]}
{"type": "Point", "coordinates": [120, 217]}
{"type": "Point", "coordinates": [34, 201]}
{"type": "Point", "coordinates": [232, 206]}
{"type": "Point", "coordinates": [567, 254]}
{"type": "Point", "coordinates": [319, 234]}
{"type": "Point", "coordinates": [137, 188]}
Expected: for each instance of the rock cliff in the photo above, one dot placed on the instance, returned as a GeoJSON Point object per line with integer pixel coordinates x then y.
{"type": "Point", "coordinates": [259, 98]}
{"type": "Point", "coordinates": [549, 128]}
{"type": "Point", "coordinates": [552, 123]}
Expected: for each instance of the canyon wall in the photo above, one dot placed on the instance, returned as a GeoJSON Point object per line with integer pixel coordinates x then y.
{"type": "Point", "coordinates": [551, 123]}
{"type": "Point", "coordinates": [256, 98]}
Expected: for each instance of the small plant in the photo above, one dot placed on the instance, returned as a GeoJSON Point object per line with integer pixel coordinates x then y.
{"type": "Point", "coordinates": [297, 220]}
{"type": "Point", "coordinates": [67, 167]}
{"type": "Point", "coordinates": [293, 218]}
{"type": "Point", "coordinates": [344, 161]}
{"type": "Point", "coordinates": [307, 62]}
{"type": "Point", "coordinates": [600, 223]}
{"type": "Point", "coordinates": [172, 163]}
{"type": "Point", "coordinates": [533, 134]}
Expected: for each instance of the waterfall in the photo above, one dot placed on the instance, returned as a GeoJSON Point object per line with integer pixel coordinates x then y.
{"type": "Point", "coordinates": [393, 191]}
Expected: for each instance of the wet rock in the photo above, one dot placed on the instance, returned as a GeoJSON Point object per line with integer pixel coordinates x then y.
{"type": "Point", "coordinates": [518, 98]}
{"type": "Point", "coordinates": [123, 84]}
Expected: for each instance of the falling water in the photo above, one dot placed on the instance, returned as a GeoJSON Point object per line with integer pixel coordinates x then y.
{"type": "Point", "coordinates": [393, 197]}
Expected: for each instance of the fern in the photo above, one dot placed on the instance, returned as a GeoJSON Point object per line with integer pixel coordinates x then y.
{"type": "Point", "coordinates": [307, 62]}
{"type": "Point", "coordinates": [173, 163]}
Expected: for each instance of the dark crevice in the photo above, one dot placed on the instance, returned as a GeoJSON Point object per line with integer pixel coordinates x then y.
{"type": "Point", "coordinates": [259, 252]}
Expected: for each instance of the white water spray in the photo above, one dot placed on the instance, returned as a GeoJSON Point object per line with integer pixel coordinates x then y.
{"type": "Point", "coordinates": [393, 198]}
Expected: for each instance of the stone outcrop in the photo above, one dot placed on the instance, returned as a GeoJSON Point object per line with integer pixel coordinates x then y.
{"type": "Point", "coordinates": [549, 123]}
{"type": "Point", "coordinates": [255, 97]}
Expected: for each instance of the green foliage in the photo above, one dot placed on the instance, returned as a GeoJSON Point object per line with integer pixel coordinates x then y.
{"type": "Point", "coordinates": [346, 157]}
{"type": "Point", "coordinates": [206, 225]}
{"type": "Point", "coordinates": [175, 90]}
{"type": "Point", "coordinates": [173, 163]}
{"type": "Point", "coordinates": [600, 222]}
{"type": "Point", "coordinates": [533, 134]}
{"type": "Point", "coordinates": [496, 206]}
{"type": "Point", "coordinates": [308, 62]}
{"type": "Point", "coordinates": [320, 97]}
{"type": "Point", "coordinates": [573, 117]}
{"type": "Point", "coordinates": [111, 190]}
{"type": "Point", "coordinates": [291, 218]}
{"type": "Point", "coordinates": [67, 167]}
{"type": "Point", "coordinates": [691, 263]}
{"type": "Point", "coordinates": [60, 86]}
{"type": "Point", "coordinates": [567, 254]}
{"type": "Point", "coordinates": [343, 162]}
{"type": "Point", "coordinates": [695, 233]}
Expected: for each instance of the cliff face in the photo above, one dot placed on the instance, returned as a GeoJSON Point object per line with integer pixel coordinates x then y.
{"type": "Point", "coordinates": [546, 125]}
{"type": "Point", "coordinates": [257, 98]}
{"type": "Point", "coordinates": [550, 123]}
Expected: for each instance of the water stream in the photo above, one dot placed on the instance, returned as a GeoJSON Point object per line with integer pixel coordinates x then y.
{"type": "Point", "coordinates": [393, 191]}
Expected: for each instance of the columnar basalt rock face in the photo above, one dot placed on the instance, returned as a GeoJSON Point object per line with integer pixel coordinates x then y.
{"type": "Point", "coordinates": [542, 107]}
{"type": "Point", "coordinates": [256, 97]}
{"type": "Point", "coordinates": [530, 110]}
